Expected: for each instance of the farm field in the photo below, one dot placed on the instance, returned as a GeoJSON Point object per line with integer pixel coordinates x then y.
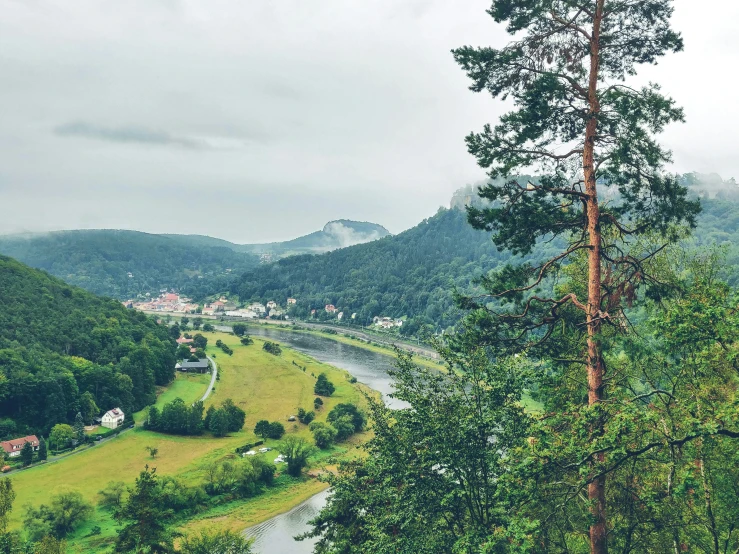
{"type": "Point", "coordinates": [265, 386]}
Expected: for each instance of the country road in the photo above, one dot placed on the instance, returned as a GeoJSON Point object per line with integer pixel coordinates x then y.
{"type": "Point", "coordinates": [212, 379]}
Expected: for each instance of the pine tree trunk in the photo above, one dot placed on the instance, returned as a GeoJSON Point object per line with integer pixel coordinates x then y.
{"type": "Point", "coordinates": [597, 488]}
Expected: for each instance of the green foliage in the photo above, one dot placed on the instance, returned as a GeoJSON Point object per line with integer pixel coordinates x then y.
{"type": "Point", "coordinates": [208, 327]}
{"type": "Point", "coordinates": [239, 329]}
{"type": "Point", "coordinates": [435, 477]}
{"type": "Point", "coordinates": [216, 542]}
{"type": "Point", "coordinates": [100, 261]}
{"type": "Point", "coordinates": [145, 517]}
{"type": "Point", "coordinates": [66, 510]}
{"type": "Point", "coordinates": [111, 497]}
{"type": "Point", "coordinates": [7, 497]}
{"type": "Point", "coordinates": [199, 341]}
{"type": "Point", "coordinates": [223, 346]}
{"type": "Point", "coordinates": [42, 449]}
{"type": "Point", "coordinates": [323, 435]}
{"type": "Point", "coordinates": [323, 386]}
{"type": "Point", "coordinates": [261, 429]}
{"type": "Point", "coordinates": [179, 419]}
{"type": "Point", "coordinates": [79, 428]}
{"type": "Point", "coordinates": [305, 417]}
{"type": "Point", "coordinates": [63, 350]}
{"type": "Point", "coordinates": [317, 402]}
{"type": "Point", "coordinates": [27, 454]}
{"type": "Point", "coordinates": [276, 430]}
{"type": "Point", "coordinates": [296, 452]}
{"type": "Point", "coordinates": [272, 348]}
{"type": "Point", "coordinates": [247, 340]}
{"type": "Point", "coordinates": [61, 436]}
{"type": "Point", "coordinates": [356, 417]}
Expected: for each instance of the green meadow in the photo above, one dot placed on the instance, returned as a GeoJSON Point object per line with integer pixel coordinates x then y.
{"type": "Point", "coordinates": [265, 386]}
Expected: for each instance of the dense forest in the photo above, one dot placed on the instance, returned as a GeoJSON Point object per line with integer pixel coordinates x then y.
{"type": "Point", "coordinates": [414, 274]}
{"type": "Point", "coordinates": [124, 264]}
{"type": "Point", "coordinates": [64, 350]}
{"type": "Point", "coordinates": [410, 274]}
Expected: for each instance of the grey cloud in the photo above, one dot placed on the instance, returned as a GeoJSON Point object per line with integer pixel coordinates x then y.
{"type": "Point", "coordinates": [283, 115]}
{"type": "Point", "coordinates": [140, 135]}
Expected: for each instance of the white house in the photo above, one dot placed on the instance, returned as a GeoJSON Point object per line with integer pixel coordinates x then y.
{"type": "Point", "coordinates": [271, 304]}
{"type": "Point", "coordinates": [113, 418]}
{"type": "Point", "coordinates": [257, 307]}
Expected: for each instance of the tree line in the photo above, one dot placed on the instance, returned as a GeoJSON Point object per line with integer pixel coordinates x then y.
{"type": "Point", "coordinates": [177, 418]}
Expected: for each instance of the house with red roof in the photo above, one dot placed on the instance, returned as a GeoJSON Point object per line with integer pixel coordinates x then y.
{"type": "Point", "coordinates": [13, 447]}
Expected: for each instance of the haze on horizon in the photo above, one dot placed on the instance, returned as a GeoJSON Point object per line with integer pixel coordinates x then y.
{"type": "Point", "coordinates": [262, 122]}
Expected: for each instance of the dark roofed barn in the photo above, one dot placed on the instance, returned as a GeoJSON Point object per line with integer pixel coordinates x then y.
{"type": "Point", "coordinates": [201, 366]}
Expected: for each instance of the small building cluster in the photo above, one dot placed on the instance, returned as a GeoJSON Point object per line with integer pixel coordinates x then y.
{"type": "Point", "coordinates": [167, 302]}
{"type": "Point", "coordinates": [387, 322]}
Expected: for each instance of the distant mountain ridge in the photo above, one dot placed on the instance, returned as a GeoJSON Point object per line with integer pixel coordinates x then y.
{"type": "Point", "coordinates": [125, 264]}
{"type": "Point", "coordinates": [338, 233]}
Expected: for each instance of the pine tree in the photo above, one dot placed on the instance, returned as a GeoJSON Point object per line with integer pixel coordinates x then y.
{"type": "Point", "coordinates": [27, 454]}
{"type": "Point", "coordinates": [79, 428]}
{"type": "Point", "coordinates": [42, 449]}
{"type": "Point", "coordinates": [589, 136]}
{"type": "Point", "coordinates": [145, 519]}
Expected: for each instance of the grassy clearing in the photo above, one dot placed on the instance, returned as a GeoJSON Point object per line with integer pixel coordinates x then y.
{"type": "Point", "coordinates": [266, 386]}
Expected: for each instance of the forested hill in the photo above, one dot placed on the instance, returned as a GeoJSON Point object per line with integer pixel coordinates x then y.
{"type": "Point", "coordinates": [123, 264]}
{"type": "Point", "coordinates": [64, 350]}
{"type": "Point", "coordinates": [410, 274]}
{"type": "Point", "coordinates": [413, 273]}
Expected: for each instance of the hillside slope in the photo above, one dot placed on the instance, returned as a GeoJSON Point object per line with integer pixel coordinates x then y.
{"type": "Point", "coordinates": [410, 274]}
{"type": "Point", "coordinates": [64, 350]}
{"type": "Point", "coordinates": [413, 274]}
{"type": "Point", "coordinates": [123, 264]}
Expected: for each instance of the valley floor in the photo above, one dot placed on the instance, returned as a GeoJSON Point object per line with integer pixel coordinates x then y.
{"type": "Point", "coordinates": [265, 386]}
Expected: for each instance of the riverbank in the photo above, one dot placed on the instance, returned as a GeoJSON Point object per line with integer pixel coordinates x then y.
{"type": "Point", "coordinates": [422, 356]}
{"type": "Point", "coordinates": [266, 386]}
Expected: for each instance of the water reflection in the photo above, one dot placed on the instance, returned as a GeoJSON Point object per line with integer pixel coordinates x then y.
{"type": "Point", "coordinates": [275, 536]}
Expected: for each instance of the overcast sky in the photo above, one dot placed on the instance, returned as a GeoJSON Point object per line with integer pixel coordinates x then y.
{"type": "Point", "coordinates": [262, 120]}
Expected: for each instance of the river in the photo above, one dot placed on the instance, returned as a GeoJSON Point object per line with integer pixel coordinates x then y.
{"type": "Point", "coordinates": [275, 536]}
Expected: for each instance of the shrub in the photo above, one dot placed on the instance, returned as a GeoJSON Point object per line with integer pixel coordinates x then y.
{"type": "Point", "coordinates": [346, 409]}
{"type": "Point", "coordinates": [323, 386]}
{"type": "Point", "coordinates": [323, 435]}
{"type": "Point", "coordinates": [247, 340]}
{"type": "Point", "coordinates": [272, 347]}
{"type": "Point", "coordinates": [276, 430]}
{"type": "Point", "coordinates": [261, 429]}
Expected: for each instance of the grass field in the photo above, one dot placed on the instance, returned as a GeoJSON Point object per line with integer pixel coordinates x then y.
{"type": "Point", "coordinates": [265, 386]}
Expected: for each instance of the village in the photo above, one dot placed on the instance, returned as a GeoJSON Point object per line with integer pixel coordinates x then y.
{"type": "Point", "coordinates": [173, 303]}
